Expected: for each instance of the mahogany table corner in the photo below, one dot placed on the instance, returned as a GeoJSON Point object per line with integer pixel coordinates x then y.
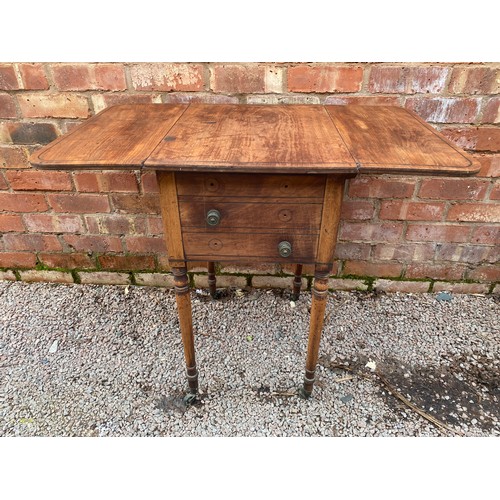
{"type": "Point", "coordinates": [260, 183]}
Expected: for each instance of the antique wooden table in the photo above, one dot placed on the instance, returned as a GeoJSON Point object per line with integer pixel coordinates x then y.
{"type": "Point", "coordinates": [254, 183]}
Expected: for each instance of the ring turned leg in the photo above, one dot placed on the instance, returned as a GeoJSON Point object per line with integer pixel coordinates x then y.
{"type": "Point", "coordinates": [297, 282]}
{"type": "Point", "coordinates": [181, 285]}
{"type": "Point", "coordinates": [212, 280]}
{"type": "Point", "coordinates": [319, 296]}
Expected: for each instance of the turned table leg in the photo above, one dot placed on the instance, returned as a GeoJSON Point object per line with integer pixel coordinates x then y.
{"type": "Point", "coordinates": [297, 282]}
{"type": "Point", "coordinates": [319, 299]}
{"type": "Point", "coordinates": [212, 280]}
{"type": "Point", "coordinates": [181, 285]}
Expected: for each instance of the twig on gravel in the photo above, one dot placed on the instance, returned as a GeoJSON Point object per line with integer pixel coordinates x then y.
{"type": "Point", "coordinates": [415, 408]}
{"type": "Point", "coordinates": [440, 425]}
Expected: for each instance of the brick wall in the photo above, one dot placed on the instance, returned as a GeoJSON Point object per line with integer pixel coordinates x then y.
{"type": "Point", "coordinates": [83, 225]}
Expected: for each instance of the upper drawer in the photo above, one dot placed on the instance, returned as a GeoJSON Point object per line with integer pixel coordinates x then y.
{"type": "Point", "coordinates": [248, 185]}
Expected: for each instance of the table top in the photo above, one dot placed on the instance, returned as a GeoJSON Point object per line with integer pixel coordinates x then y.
{"type": "Point", "coordinates": [257, 139]}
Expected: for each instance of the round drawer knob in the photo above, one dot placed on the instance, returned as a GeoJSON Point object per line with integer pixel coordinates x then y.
{"type": "Point", "coordinates": [285, 248]}
{"type": "Point", "coordinates": [213, 217]}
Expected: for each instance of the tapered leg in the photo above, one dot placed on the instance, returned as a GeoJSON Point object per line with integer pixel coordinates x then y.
{"type": "Point", "coordinates": [181, 285]}
{"type": "Point", "coordinates": [212, 280]}
{"type": "Point", "coordinates": [319, 296]}
{"type": "Point", "coordinates": [297, 282]}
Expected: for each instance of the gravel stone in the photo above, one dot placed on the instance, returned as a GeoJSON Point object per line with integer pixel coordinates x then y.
{"type": "Point", "coordinates": [118, 369]}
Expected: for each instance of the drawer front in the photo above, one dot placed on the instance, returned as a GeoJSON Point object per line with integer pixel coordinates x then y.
{"type": "Point", "coordinates": [234, 246]}
{"type": "Point", "coordinates": [262, 185]}
{"type": "Point", "coordinates": [293, 217]}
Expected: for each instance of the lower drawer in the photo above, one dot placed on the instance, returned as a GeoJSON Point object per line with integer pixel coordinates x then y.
{"type": "Point", "coordinates": [234, 246]}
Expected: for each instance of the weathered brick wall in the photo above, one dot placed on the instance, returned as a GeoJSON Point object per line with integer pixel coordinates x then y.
{"type": "Point", "coordinates": [410, 228]}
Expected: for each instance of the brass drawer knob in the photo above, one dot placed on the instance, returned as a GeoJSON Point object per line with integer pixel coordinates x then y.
{"type": "Point", "coordinates": [213, 217]}
{"type": "Point", "coordinates": [285, 248]}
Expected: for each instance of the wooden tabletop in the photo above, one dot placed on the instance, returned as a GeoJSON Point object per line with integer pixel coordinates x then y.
{"type": "Point", "coordinates": [257, 138]}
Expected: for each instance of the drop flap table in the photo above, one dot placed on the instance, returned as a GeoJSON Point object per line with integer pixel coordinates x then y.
{"type": "Point", "coordinates": [254, 183]}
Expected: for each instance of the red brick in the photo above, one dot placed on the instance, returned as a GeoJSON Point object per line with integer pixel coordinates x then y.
{"type": "Point", "coordinates": [109, 77]}
{"type": "Point", "coordinates": [102, 101]}
{"type": "Point", "coordinates": [387, 79]}
{"type": "Point", "coordinates": [488, 139]}
{"type": "Point", "coordinates": [204, 97]}
{"type": "Point", "coordinates": [237, 78]}
{"type": "Point", "coordinates": [352, 251]}
{"type": "Point", "coordinates": [470, 254]}
{"type": "Point", "coordinates": [427, 79]}
{"type": "Point", "coordinates": [475, 138]}
{"type": "Point", "coordinates": [491, 113]}
{"type": "Point", "coordinates": [8, 79]}
{"type": "Point", "coordinates": [163, 264]}
{"type": "Point", "coordinates": [373, 187]}
{"type": "Point", "coordinates": [144, 244]}
{"type": "Point", "coordinates": [437, 232]}
{"type": "Point", "coordinates": [357, 210]}
{"type": "Point", "coordinates": [17, 259]}
{"type": "Point", "coordinates": [11, 223]}
{"type": "Point", "coordinates": [364, 100]}
{"type": "Point", "coordinates": [89, 76]}
{"type": "Point", "coordinates": [475, 80]}
{"type": "Point", "coordinates": [167, 77]}
{"type": "Point", "coordinates": [486, 235]}
{"type": "Point", "coordinates": [490, 165]}
{"type": "Point", "coordinates": [149, 183]}
{"type": "Point", "coordinates": [480, 273]}
{"type": "Point", "coordinates": [376, 269]}
{"type": "Point", "coordinates": [48, 223]}
{"type": "Point", "coordinates": [100, 244]}
{"type": "Point", "coordinates": [3, 183]}
{"type": "Point", "coordinates": [453, 189]}
{"type": "Point", "coordinates": [403, 210]}
{"type": "Point", "coordinates": [33, 76]}
{"type": "Point", "coordinates": [370, 231]}
{"type": "Point", "coordinates": [53, 106]}
{"type": "Point", "coordinates": [14, 157]}
{"type": "Point", "coordinates": [321, 78]}
{"type": "Point", "coordinates": [67, 260]}
{"type": "Point", "coordinates": [31, 133]}
{"type": "Point", "coordinates": [116, 224]}
{"type": "Point", "coordinates": [404, 252]}
{"type": "Point", "coordinates": [21, 202]}
{"type": "Point", "coordinates": [7, 106]}
{"type": "Point", "coordinates": [79, 203]}
{"type": "Point", "coordinates": [36, 180]}
{"type": "Point", "coordinates": [445, 109]}
{"type": "Point", "coordinates": [465, 138]}
{"type": "Point", "coordinates": [495, 191]}
{"type": "Point", "coordinates": [460, 287]}
{"type": "Point", "coordinates": [31, 242]}
{"type": "Point", "coordinates": [127, 262]}
{"type": "Point", "coordinates": [71, 76]}
{"type": "Point", "coordinates": [418, 270]}
{"type": "Point", "coordinates": [155, 226]}
{"type": "Point", "coordinates": [105, 182]}
{"type": "Point", "coordinates": [138, 204]}
{"type": "Point", "coordinates": [472, 212]}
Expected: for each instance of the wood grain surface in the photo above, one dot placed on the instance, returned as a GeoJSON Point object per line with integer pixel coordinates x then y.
{"type": "Point", "coordinates": [120, 136]}
{"type": "Point", "coordinates": [232, 137]}
{"type": "Point", "coordinates": [388, 139]}
{"type": "Point", "coordinates": [243, 214]}
{"type": "Point", "coordinates": [238, 246]}
{"type": "Point", "coordinates": [250, 185]}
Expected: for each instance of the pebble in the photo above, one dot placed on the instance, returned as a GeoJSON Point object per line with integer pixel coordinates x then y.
{"type": "Point", "coordinates": [119, 355]}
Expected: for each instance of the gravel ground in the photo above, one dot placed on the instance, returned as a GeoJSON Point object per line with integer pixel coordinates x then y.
{"type": "Point", "coordinates": [89, 360]}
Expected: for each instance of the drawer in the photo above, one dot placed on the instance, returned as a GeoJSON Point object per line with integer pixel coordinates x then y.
{"type": "Point", "coordinates": [234, 246]}
{"type": "Point", "coordinates": [299, 187]}
{"type": "Point", "coordinates": [275, 214]}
